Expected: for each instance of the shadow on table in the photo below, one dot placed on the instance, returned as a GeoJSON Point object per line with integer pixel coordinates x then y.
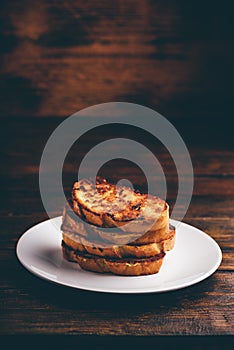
{"type": "Point", "coordinates": [70, 298]}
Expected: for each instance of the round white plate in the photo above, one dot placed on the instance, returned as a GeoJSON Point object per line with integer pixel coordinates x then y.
{"type": "Point", "coordinates": [194, 257]}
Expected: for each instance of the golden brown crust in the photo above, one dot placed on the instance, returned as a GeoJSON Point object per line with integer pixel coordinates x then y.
{"type": "Point", "coordinates": [107, 206]}
{"type": "Point", "coordinates": [124, 268]}
{"type": "Point", "coordinates": [79, 243]}
{"type": "Point", "coordinates": [140, 233]}
{"type": "Point", "coordinates": [120, 237]}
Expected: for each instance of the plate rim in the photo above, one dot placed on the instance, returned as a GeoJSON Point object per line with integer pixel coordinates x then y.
{"type": "Point", "coordinates": [149, 290]}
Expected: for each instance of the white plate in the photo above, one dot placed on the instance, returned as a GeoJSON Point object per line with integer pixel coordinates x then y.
{"type": "Point", "coordinates": [194, 257]}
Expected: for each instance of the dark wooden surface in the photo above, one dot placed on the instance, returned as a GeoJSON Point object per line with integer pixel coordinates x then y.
{"type": "Point", "coordinates": [173, 56]}
{"type": "Point", "coordinates": [61, 56]}
{"type": "Point", "coordinates": [31, 306]}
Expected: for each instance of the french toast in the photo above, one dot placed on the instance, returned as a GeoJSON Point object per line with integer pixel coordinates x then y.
{"type": "Point", "coordinates": [124, 267]}
{"type": "Point", "coordinates": [119, 237]}
{"type": "Point", "coordinates": [113, 229]}
{"type": "Point", "coordinates": [106, 205]}
{"type": "Point", "coordinates": [79, 243]}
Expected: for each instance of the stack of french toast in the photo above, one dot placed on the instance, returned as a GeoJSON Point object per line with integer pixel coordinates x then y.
{"type": "Point", "coordinates": [114, 229]}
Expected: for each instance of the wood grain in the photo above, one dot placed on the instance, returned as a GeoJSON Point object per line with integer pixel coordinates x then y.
{"type": "Point", "coordinates": [206, 308]}
{"type": "Point", "coordinates": [61, 56]}
{"type": "Point", "coordinates": [35, 307]}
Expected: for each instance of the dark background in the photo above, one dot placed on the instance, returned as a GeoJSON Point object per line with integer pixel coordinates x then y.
{"type": "Point", "coordinates": [61, 56]}
{"type": "Point", "coordinates": [173, 56]}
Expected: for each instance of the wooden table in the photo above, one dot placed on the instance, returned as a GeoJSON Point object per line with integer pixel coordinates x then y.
{"type": "Point", "coordinates": [33, 307]}
{"type": "Point", "coordinates": [61, 56]}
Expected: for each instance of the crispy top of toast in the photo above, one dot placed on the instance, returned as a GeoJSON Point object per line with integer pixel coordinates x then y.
{"type": "Point", "coordinates": [121, 203]}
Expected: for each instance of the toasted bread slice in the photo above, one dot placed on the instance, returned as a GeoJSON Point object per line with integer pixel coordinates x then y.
{"type": "Point", "coordinates": [79, 243]}
{"type": "Point", "coordinates": [70, 224]}
{"type": "Point", "coordinates": [106, 205]}
{"type": "Point", "coordinates": [119, 237]}
{"type": "Point", "coordinates": [126, 267]}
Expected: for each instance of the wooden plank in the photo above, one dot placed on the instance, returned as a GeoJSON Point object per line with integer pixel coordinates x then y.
{"type": "Point", "coordinates": [24, 149]}
{"type": "Point", "coordinates": [61, 57]}
{"type": "Point", "coordinates": [203, 186]}
{"type": "Point", "coordinates": [205, 163]}
{"type": "Point", "coordinates": [34, 306]}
